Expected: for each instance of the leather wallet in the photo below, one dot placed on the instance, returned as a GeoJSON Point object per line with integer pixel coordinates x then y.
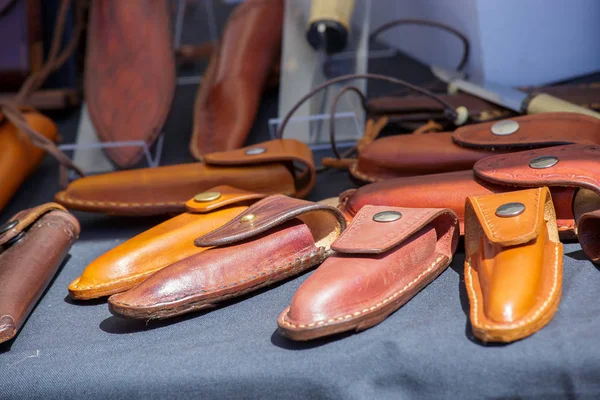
{"type": "Point", "coordinates": [268, 168]}
{"type": "Point", "coordinates": [238, 72]}
{"type": "Point", "coordinates": [274, 239]}
{"type": "Point", "coordinates": [382, 260]}
{"type": "Point", "coordinates": [133, 261]}
{"type": "Point", "coordinates": [19, 157]}
{"type": "Point", "coordinates": [411, 155]}
{"type": "Point", "coordinates": [33, 244]}
{"type": "Point", "coordinates": [566, 170]}
{"type": "Point", "coordinates": [129, 73]}
{"type": "Point", "coordinates": [513, 263]}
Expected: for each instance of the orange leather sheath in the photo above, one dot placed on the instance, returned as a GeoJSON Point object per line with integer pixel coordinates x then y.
{"type": "Point", "coordinates": [18, 156]}
{"type": "Point", "coordinates": [412, 155]}
{"type": "Point", "coordinates": [268, 168]}
{"type": "Point", "coordinates": [136, 259]}
{"type": "Point", "coordinates": [513, 263]}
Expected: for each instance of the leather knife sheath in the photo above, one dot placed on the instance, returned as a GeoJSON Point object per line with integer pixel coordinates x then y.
{"type": "Point", "coordinates": [513, 263]}
{"type": "Point", "coordinates": [411, 155]}
{"type": "Point", "coordinates": [133, 261]}
{"type": "Point", "coordinates": [19, 157]}
{"type": "Point", "coordinates": [237, 74]}
{"type": "Point", "coordinates": [129, 73]}
{"type": "Point", "coordinates": [382, 260]}
{"type": "Point", "coordinates": [274, 239]}
{"type": "Point", "coordinates": [267, 168]}
{"type": "Point", "coordinates": [572, 173]}
{"type": "Point", "coordinates": [33, 245]}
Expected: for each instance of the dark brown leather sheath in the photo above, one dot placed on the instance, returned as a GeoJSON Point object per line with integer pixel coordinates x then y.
{"type": "Point", "coordinates": [34, 244]}
{"type": "Point", "coordinates": [238, 72]}
{"type": "Point", "coordinates": [130, 73]}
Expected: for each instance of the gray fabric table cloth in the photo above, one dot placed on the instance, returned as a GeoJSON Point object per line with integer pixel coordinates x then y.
{"type": "Point", "coordinates": [72, 350]}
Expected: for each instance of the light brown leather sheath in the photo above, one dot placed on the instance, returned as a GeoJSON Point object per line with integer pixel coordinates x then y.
{"type": "Point", "coordinates": [129, 73]}
{"type": "Point", "coordinates": [412, 155]}
{"type": "Point", "coordinates": [274, 239]}
{"type": "Point", "coordinates": [384, 258]}
{"type": "Point", "coordinates": [18, 156]}
{"type": "Point", "coordinates": [513, 263]}
{"type": "Point", "coordinates": [133, 261]}
{"type": "Point", "coordinates": [577, 167]}
{"type": "Point", "coordinates": [268, 168]}
{"type": "Point", "coordinates": [238, 72]}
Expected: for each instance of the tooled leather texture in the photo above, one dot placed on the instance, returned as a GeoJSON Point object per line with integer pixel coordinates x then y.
{"type": "Point", "coordinates": [229, 95]}
{"type": "Point", "coordinates": [287, 237]}
{"type": "Point", "coordinates": [152, 191]}
{"type": "Point", "coordinates": [130, 73]}
{"type": "Point", "coordinates": [377, 268]}
{"type": "Point", "coordinates": [28, 264]}
{"type": "Point", "coordinates": [409, 155]}
{"type": "Point", "coordinates": [513, 265]}
{"type": "Point", "coordinates": [18, 150]}
{"type": "Point", "coordinates": [133, 261]}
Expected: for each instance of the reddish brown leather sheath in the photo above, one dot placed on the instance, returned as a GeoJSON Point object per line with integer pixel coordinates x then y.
{"type": "Point", "coordinates": [229, 95]}
{"type": "Point", "coordinates": [384, 258]}
{"type": "Point", "coordinates": [130, 73]}
{"type": "Point", "coordinates": [411, 155]}
{"type": "Point", "coordinates": [569, 171]}
{"type": "Point", "coordinates": [34, 244]}
{"type": "Point", "coordinates": [274, 239]}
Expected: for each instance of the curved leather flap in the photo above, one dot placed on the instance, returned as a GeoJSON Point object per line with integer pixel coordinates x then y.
{"type": "Point", "coordinates": [274, 211]}
{"type": "Point", "coordinates": [227, 195]}
{"type": "Point", "coordinates": [279, 150]}
{"type": "Point", "coordinates": [366, 236]}
{"type": "Point", "coordinates": [588, 233]}
{"type": "Point", "coordinates": [28, 217]}
{"type": "Point", "coordinates": [577, 166]}
{"type": "Point", "coordinates": [538, 130]}
{"type": "Point", "coordinates": [510, 231]}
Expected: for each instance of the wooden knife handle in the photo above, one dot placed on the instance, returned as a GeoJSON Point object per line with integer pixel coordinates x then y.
{"type": "Point", "coordinates": [543, 103]}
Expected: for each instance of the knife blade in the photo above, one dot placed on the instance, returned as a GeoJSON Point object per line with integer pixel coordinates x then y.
{"type": "Point", "coordinates": [513, 99]}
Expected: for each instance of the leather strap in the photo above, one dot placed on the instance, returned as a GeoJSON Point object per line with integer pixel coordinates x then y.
{"type": "Point", "coordinates": [227, 196]}
{"type": "Point", "coordinates": [272, 212]}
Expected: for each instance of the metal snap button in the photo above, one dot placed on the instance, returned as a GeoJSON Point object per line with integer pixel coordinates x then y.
{"type": "Point", "coordinates": [207, 196]}
{"type": "Point", "coordinates": [510, 209]}
{"type": "Point", "coordinates": [255, 150]}
{"type": "Point", "coordinates": [387, 216]}
{"type": "Point", "coordinates": [248, 217]}
{"type": "Point", "coordinates": [543, 162]}
{"type": "Point", "coordinates": [8, 226]}
{"type": "Point", "coordinates": [505, 127]}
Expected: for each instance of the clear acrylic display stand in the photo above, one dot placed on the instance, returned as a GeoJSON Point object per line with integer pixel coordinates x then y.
{"type": "Point", "coordinates": [87, 152]}
{"type": "Point", "coordinates": [302, 69]}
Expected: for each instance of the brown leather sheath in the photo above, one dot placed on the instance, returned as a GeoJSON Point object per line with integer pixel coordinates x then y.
{"type": "Point", "coordinates": [411, 155]}
{"type": "Point", "coordinates": [129, 73]}
{"type": "Point", "coordinates": [274, 239]}
{"type": "Point", "coordinates": [19, 157]}
{"type": "Point", "coordinates": [572, 173]}
{"type": "Point", "coordinates": [229, 94]}
{"type": "Point", "coordinates": [267, 168]}
{"type": "Point", "coordinates": [135, 260]}
{"type": "Point", "coordinates": [513, 263]}
{"type": "Point", "coordinates": [34, 244]}
{"type": "Point", "coordinates": [384, 258]}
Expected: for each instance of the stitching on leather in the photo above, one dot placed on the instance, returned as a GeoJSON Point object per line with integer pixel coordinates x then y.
{"type": "Point", "coordinates": [314, 258]}
{"type": "Point", "coordinates": [524, 322]}
{"type": "Point", "coordinates": [127, 278]}
{"type": "Point", "coordinates": [63, 197]}
{"type": "Point", "coordinates": [372, 308]}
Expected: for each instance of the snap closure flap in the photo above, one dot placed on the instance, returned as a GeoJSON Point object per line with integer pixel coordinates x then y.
{"type": "Point", "coordinates": [574, 165]}
{"type": "Point", "coordinates": [325, 222]}
{"type": "Point", "coordinates": [366, 235]}
{"type": "Point", "coordinates": [515, 229]}
{"type": "Point", "coordinates": [538, 130]}
{"type": "Point", "coordinates": [219, 197]}
{"type": "Point", "coordinates": [24, 219]}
